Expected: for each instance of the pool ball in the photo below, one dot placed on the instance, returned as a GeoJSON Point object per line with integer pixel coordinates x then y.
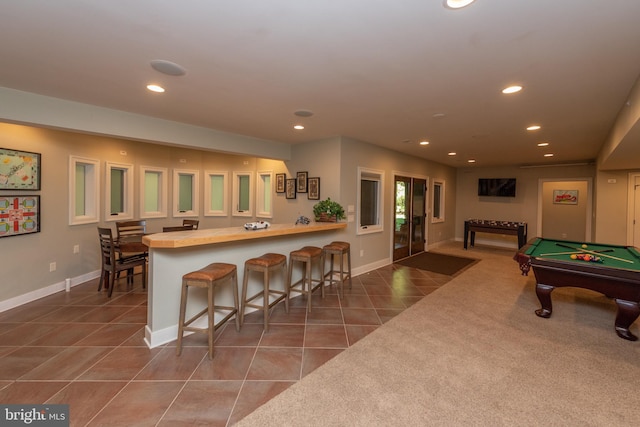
{"type": "Point", "coordinates": [573, 256]}
{"type": "Point", "coordinates": [584, 246]}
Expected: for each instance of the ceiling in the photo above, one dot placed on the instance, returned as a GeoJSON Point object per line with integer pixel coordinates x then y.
{"type": "Point", "coordinates": [386, 72]}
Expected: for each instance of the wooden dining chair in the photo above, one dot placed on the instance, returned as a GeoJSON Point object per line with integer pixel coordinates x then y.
{"type": "Point", "coordinates": [129, 237]}
{"type": "Point", "coordinates": [194, 223]}
{"type": "Point", "coordinates": [177, 228]}
{"type": "Point", "coordinates": [112, 264]}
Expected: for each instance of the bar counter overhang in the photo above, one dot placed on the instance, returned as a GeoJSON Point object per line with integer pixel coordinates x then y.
{"type": "Point", "coordinates": [171, 255]}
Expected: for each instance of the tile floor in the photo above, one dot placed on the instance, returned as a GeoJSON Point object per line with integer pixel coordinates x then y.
{"type": "Point", "coordinates": [83, 349]}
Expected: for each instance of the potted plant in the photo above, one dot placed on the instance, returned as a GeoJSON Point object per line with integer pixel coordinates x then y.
{"type": "Point", "coordinates": [328, 211]}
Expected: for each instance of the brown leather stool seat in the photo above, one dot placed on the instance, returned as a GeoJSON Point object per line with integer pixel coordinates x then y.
{"type": "Point", "coordinates": [265, 264]}
{"type": "Point", "coordinates": [308, 255]}
{"type": "Point", "coordinates": [209, 277]}
{"type": "Point", "coordinates": [340, 250]}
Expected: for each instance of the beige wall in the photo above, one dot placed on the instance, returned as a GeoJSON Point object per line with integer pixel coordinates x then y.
{"type": "Point", "coordinates": [522, 208]}
{"type": "Point", "coordinates": [25, 261]}
{"type": "Point", "coordinates": [566, 221]}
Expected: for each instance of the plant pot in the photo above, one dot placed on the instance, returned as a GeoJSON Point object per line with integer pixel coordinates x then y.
{"type": "Point", "coordinates": [326, 218]}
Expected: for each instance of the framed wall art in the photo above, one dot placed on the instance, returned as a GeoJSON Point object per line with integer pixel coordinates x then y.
{"type": "Point", "coordinates": [565, 197]}
{"type": "Point", "coordinates": [313, 185]}
{"type": "Point", "coordinates": [19, 215]}
{"type": "Point", "coordinates": [280, 182]}
{"type": "Point", "coordinates": [302, 182]}
{"type": "Point", "coordinates": [19, 170]}
{"type": "Point", "coordinates": [291, 188]}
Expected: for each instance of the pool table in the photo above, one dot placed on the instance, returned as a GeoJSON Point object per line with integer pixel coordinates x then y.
{"type": "Point", "coordinates": [617, 275]}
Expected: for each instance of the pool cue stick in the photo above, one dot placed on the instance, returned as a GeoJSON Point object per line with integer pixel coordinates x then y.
{"type": "Point", "coordinates": [560, 253]}
{"type": "Point", "coordinates": [594, 253]}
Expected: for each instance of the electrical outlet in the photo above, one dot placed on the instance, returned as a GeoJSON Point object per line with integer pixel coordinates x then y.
{"type": "Point", "coordinates": [76, 249]}
{"type": "Point", "coordinates": [52, 267]}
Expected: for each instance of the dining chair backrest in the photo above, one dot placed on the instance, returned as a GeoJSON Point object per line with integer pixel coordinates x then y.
{"type": "Point", "coordinates": [177, 228]}
{"type": "Point", "coordinates": [194, 223]}
{"type": "Point", "coordinates": [107, 247]}
{"type": "Point", "coordinates": [112, 265]}
{"type": "Point", "coordinates": [131, 228]}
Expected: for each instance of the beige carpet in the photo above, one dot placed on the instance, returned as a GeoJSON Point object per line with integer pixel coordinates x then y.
{"type": "Point", "coordinates": [474, 353]}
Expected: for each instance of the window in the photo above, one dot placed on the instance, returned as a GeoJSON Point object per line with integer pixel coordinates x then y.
{"type": "Point", "coordinates": [84, 190]}
{"type": "Point", "coordinates": [185, 192]}
{"type": "Point", "coordinates": [153, 192]}
{"type": "Point", "coordinates": [370, 201]}
{"type": "Point", "coordinates": [215, 193]}
{"type": "Point", "coordinates": [242, 189]}
{"type": "Point", "coordinates": [263, 195]}
{"type": "Point", "coordinates": [438, 202]}
{"type": "Point", "coordinates": [119, 191]}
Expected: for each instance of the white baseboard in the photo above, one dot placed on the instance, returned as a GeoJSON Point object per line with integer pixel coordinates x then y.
{"type": "Point", "coordinates": [46, 291]}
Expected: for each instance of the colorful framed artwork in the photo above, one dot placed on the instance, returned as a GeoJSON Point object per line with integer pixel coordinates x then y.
{"type": "Point", "coordinates": [19, 170]}
{"type": "Point", "coordinates": [302, 182]}
{"type": "Point", "coordinates": [291, 188]}
{"type": "Point", "coordinates": [565, 197]}
{"type": "Point", "coordinates": [280, 182]}
{"type": "Point", "coordinates": [314, 188]}
{"type": "Point", "coordinates": [19, 215]}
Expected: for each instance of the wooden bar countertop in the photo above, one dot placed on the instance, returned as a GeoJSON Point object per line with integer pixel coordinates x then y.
{"type": "Point", "coordinates": [183, 239]}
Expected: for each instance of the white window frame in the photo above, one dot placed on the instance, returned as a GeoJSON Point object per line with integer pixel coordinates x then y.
{"type": "Point", "coordinates": [127, 197]}
{"type": "Point", "coordinates": [194, 193]}
{"type": "Point", "coordinates": [208, 196]}
{"type": "Point", "coordinates": [441, 196]}
{"type": "Point", "coordinates": [236, 194]}
{"type": "Point", "coordinates": [162, 195]}
{"type": "Point", "coordinates": [264, 207]}
{"type": "Point", "coordinates": [370, 175]}
{"type": "Point", "coordinates": [91, 196]}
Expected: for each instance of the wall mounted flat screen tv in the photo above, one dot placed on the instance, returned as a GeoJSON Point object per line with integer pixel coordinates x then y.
{"type": "Point", "coordinates": [497, 187]}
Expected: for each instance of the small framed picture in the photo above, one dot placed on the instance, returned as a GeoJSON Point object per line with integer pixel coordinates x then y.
{"type": "Point", "coordinates": [19, 170]}
{"type": "Point", "coordinates": [291, 188]}
{"type": "Point", "coordinates": [19, 215]}
{"type": "Point", "coordinates": [301, 177]}
{"type": "Point", "coordinates": [314, 188]}
{"type": "Point", "coordinates": [280, 182]}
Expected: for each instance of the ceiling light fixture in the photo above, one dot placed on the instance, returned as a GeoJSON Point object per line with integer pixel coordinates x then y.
{"type": "Point", "coordinates": [155, 88]}
{"type": "Point", "coordinates": [534, 127]}
{"type": "Point", "coordinates": [298, 127]}
{"type": "Point", "coordinates": [457, 4]}
{"type": "Point", "coordinates": [471, 161]}
{"type": "Point", "coordinates": [452, 153]}
{"type": "Point", "coordinates": [543, 144]}
{"type": "Point", "coordinates": [512, 89]}
{"type": "Point", "coordinates": [424, 142]}
{"type": "Point", "coordinates": [549, 155]}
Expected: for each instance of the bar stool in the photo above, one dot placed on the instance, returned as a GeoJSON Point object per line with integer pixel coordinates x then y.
{"type": "Point", "coordinates": [265, 264]}
{"type": "Point", "coordinates": [338, 249]}
{"type": "Point", "coordinates": [209, 277]}
{"type": "Point", "coordinates": [307, 256]}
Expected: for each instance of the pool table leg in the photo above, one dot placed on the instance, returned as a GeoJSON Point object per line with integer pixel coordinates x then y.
{"type": "Point", "coordinates": [543, 292]}
{"type": "Point", "coordinates": [628, 312]}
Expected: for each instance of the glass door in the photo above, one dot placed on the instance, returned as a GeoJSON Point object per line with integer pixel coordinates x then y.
{"type": "Point", "coordinates": [410, 213]}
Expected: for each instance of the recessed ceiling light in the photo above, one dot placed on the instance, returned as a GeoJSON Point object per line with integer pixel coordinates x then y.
{"type": "Point", "coordinates": [471, 161]}
{"type": "Point", "coordinates": [512, 89]}
{"type": "Point", "coordinates": [303, 113]}
{"type": "Point", "coordinates": [533, 127]}
{"type": "Point", "coordinates": [298, 127]}
{"type": "Point", "coordinates": [167, 67]}
{"type": "Point", "coordinates": [452, 153]}
{"type": "Point", "coordinates": [549, 155]}
{"type": "Point", "coordinates": [438, 115]}
{"type": "Point", "coordinates": [543, 144]}
{"type": "Point", "coordinates": [155, 88]}
{"type": "Point", "coordinates": [457, 4]}
{"type": "Point", "coordinates": [424, 142]}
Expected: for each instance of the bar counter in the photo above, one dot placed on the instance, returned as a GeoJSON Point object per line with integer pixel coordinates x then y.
{"type": "Point", "coordinates": [173, 254]}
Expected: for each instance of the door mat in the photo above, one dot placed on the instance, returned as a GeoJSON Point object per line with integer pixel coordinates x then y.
{"type": "Point", "coordinates": [438, 263]}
